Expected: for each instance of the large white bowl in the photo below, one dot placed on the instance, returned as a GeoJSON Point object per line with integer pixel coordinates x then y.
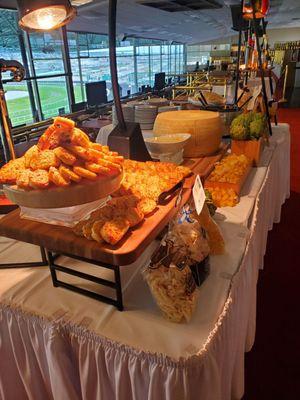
{"type": "Point", "coordinates": [166, 144]}
{"type": "Point", "coordinates": [60, 197]}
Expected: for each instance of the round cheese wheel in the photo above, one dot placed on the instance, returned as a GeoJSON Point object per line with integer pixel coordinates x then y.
{"type": "Point", "coordinates": [205, 128]}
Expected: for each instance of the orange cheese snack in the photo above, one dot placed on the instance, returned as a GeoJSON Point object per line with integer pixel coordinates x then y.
{"type": "Point", "coordinates": [10, 171]}
{"type": "Point", "coordinates": [23, 179]}
{"type": "Point", "coordinates": [113, 231]}
{"type": "Point", "coordinates": [30, 153]}
{"type": "Point", "coordinates": [39, 179]}
{"type": "Point", "coordinates": [80, 138]}
{"type": "Point", "coordinates": [44, 160]}
{"type": "Point", "coordinates": [57, 178]}
{"type": "Point", "coordinates": [68, 174]}
{"type": "Point", "coordinates": [85, 173]}
{"type": "Point", "coordinates": [96, 168]}
{"type": "Point", "coordinates": [65, 156]}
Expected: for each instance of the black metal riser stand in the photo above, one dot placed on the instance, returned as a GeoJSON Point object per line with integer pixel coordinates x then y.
{"type": "Point", "coordinates": [116, 284]}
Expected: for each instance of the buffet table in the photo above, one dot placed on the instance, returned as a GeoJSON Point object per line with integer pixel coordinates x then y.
{"type": "Point", "coordinates": [60, 345]}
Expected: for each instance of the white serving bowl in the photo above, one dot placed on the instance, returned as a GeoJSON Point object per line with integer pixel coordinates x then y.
{"type": "Point", "coordinates": [166, 147]}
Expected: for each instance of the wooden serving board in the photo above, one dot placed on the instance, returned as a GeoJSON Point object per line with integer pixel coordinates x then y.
{"type": "Point", "coordinates": [199, 166]}
{"type": "Point", "coordinates": [203, 166]}
{"type": "Point", "coordinates": [62, 239]}
{"type": "Point", "coordinates": [6, 205]}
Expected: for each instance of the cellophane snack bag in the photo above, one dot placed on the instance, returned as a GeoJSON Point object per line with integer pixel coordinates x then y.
{"type": "Point", "coordinates": [169, 275]}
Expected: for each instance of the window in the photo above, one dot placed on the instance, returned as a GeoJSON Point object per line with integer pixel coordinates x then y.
{"type": "Point", "coordinates": [89, 56]}
{"type": "Point", "coordinates": [138, 61]}
{"type": "Point", "coordinates": [126, 67]}
{"type": "Point", "coordinates": [46, 49]}
{"type": "Point", "coordinates": [44, 94]}
{"type": "Point", "coordinates": [202, 53]}
{"type": "Point", "coordinates": [17, 96]}
{"type": "Point", "coordinates": [155, 61]}
{"type": "Point", "coordinates": [143, 64]}
{"type": "Point", "coordinates": [47, 89]}
{"type": "Point", "coordinates": [165, 57]}
{"type": "Point", "coordinates": [54, 96]}
{"type": "Point", "coordinates": [198, 53]}
{"type": "Point", "coordinates": [181, 58]}
{"type": "Point", "coordinates": [47, 61]}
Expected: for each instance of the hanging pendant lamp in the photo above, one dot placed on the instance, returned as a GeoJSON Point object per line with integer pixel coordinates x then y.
{"type": "Point", "coordinates": [45, 15]}
{"type": "Point", "coordinates": [261, 8]}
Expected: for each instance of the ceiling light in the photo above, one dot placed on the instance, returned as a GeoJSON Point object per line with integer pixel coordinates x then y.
{"type": "Point", "coordinates": [44, 15]}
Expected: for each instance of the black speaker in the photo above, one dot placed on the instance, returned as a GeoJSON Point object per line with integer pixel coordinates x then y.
{"type": "Point", "coordinates": [260, 31]}
{"type": "Point", "coordinates": [238, 22]}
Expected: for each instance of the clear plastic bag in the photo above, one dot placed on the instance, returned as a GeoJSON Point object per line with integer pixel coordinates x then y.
{"type": "Point", "coordinates": [169, 275]}
{"type": "Point", "coordinates": [173, 290]}
{"type": "Point", "coordinates": [186, 232]}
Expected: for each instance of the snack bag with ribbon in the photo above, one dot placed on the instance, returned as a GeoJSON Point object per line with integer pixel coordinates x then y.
{"type": "Point", "coordinates": [169, 276]}
{"type": "Point", "coordinates": [192, 236]}
{"type": "Point", "coordinates": [172, 284]}
{"type": "Point", "coordinates": [187, 233]}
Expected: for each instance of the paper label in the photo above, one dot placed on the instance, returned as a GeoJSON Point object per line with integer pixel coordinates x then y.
{"type": "Point", "coordinates": [198, 195]}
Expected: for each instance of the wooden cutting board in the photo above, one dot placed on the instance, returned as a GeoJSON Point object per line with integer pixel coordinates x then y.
{"type": "Point", "coordinates": [203, 166]}
{"type": "Point", "coordinates": [6, 205]}
{"type": "Point", "coordinates": [62, 240]}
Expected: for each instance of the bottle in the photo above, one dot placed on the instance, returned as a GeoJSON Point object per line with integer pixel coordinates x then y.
{"type": "Point", "coordinates": [254, 61]}
{"type": "Point", "coordinates": [251, 48]}
{"type": "Point", "coordinates": [265, 52]}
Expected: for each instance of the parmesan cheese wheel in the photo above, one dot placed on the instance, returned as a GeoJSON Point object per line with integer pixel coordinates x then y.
{"type": "Point", "coordinates": [205, 128]}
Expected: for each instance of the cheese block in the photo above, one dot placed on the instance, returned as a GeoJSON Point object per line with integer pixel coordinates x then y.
{"type": "Point", "coordinates": [205, 128]}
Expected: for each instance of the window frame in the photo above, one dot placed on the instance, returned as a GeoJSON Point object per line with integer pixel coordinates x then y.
{"type": "Point", "coordinates": [32, 79]}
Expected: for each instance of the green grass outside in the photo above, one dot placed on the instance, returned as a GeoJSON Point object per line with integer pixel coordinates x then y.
{"type": "Point", "coordinates": [53, 96]}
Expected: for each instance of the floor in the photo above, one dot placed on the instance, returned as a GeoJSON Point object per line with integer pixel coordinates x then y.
{"type": "Point", "coordinates": [273, 365]}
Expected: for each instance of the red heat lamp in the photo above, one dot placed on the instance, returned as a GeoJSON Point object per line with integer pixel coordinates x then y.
{"type": "Point", "coordinates": [45, 15]}
{"type": "Point", "coordinates": [259, 7]}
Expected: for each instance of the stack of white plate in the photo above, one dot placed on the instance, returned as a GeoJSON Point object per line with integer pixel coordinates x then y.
{"type": "Point", "coordinates": [128, 112]}
{"type": "Point", "coordinates": [145, 115]}
{"type": "Point", "coordinates": [157, 101]}
{"type": "Point", "coordinates": [134, 103]}
{"type": "Point", "coordinates": [168, 108]}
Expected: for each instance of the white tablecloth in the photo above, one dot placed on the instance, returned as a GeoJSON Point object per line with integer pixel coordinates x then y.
{"type": "Point", "coordinates": [55, 344]}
